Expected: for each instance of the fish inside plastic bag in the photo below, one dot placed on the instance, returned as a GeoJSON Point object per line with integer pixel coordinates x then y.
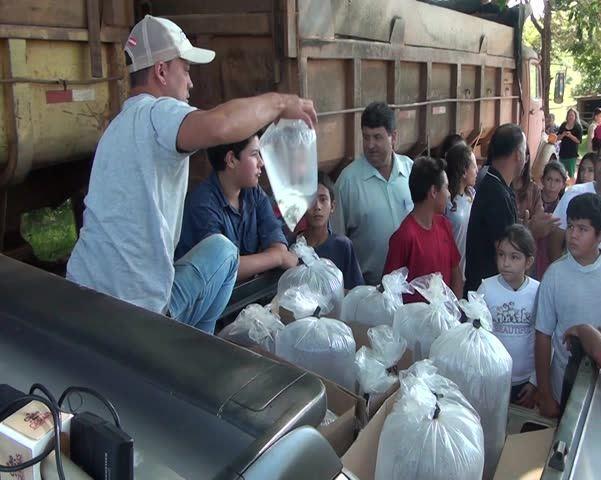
{"type": "Point", "coordinates": [421, 323]}
{"type": "Point", "coordinates": [371, 306]}
{"type": "Point", "coordinates": [322, 345]}
{"type": "Point", "coordinates": [289, 150]}
{"type": "Point", "coordinates": [301, 301]}
{"type": "Point", "coordinates": [320, 275]}
{"type": "Point", "coordinates": [254, 326]}
{"type": "Point", "coordinates": [476, 360]}
{"type": "Point", "coordinates": [432, 433]}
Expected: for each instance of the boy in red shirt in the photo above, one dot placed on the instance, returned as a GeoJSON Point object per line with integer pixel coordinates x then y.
{"type": "Point", "coordinates": [424, 242]}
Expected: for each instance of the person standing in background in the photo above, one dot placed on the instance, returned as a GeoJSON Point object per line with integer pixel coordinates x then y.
{"type": "Point", "coordinates": [570, 135]}
{"type": "Point", "coordinates": [595, 122]}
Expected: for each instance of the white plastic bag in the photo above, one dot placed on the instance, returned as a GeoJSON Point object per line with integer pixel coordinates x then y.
{"type": "Point", "coordinates": [430, 435]}
{"type": "Point", "coordinates": [421, 323]}
{"type": "Point", "coordinates": [476, 360]}
{"type": "Point", "coordinates": [301, 301]}
{"type": "Point", "coordinates": [320, 275]}
{"type": "Point", "coordinates": [375, 366]}
{"type": "Point", "coordinates": [322, 345]}
{"type": "Point", "coordinates": [373, 306]}
{"type": "Point", "coordinates": [289, 150]}
{"type": "Point", "coordinates": [254, 326]}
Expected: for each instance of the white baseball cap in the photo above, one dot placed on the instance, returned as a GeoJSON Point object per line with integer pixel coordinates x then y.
{"type": "Point", "coordinates": [155, 39]}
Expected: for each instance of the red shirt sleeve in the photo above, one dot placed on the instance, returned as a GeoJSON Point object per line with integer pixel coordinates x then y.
{"type": "Point", "coordinates": [397, 251]}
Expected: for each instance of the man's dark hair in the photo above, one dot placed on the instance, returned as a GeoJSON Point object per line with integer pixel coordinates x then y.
{"type": "Point", "coordinates": [217, 154]}
{"type": "Point", "coordinates": [506, 140]}
{"type": "Point", "coordinates": [378, 114]}
{"type": "Point", "coordinates": [521, 239]}
{"type": "Point", "coordinates": [426, 171]}
{"type": "Point", "coordinates": [324, 179]}
{"type": "Point", "coordinates": [586, 207]}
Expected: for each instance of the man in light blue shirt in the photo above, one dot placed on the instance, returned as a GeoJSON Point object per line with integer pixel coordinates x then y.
{"type": "Point", "coordinates": [373, 192]}
{"type": "Point", "coordinates": [135, 203]}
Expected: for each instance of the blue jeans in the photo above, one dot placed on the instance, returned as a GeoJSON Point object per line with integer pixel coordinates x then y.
{"type": "Point", "coordinates": [203, 283]}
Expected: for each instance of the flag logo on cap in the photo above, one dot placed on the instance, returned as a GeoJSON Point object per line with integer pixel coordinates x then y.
{"type": "Point", "coordinates": [132, 41]}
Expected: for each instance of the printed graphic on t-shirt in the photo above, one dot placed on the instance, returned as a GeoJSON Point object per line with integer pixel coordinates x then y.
{"type": "Point", "coordinates": [512, 321]}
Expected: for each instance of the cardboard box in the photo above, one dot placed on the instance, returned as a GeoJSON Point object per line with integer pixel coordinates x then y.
{"type": "Point", "coordinates": [26, 434]}
{"type": "Point", "coordinates": [361, 457]}
{"type": "Point", "coordinates": [524, 455]}
{"type": "Point", "coordinates": [350, 410]}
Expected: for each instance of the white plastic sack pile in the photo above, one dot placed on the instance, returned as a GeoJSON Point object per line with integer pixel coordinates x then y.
{"type": "Point", "coordinates": [289, 150]}
{"type": "Point", "coordinates": [322, 345]}
{"type": "Point", "coordinates": [301, 301]}
{"type": "Point", "coordinates": [476, 360]}
{"type": "Point", "coordinates": [432, 433]}
{"type": "Point", "coordinates": [371, 306]}
{"type": "Point", "coordinates": [254, 326]}
{"type": "Point", "coordinates": [373, 365]}
{"type": "Point", "coordinates": [421, 323]}
{"type": "Point", "coordinates": [320, 275]}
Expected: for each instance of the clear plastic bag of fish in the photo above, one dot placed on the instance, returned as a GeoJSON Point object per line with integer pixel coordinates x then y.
{"type": "Point", "coordinates": [421, 323]}
{"type": "Point", "coordinates": [475, 359]}
{"type": "Point", "coordinates": [254, 326]}
{"type": "Point", "coordinates": [371, 306]}
{"type": "Point", "coordinates": [322, 345]}
{"type": "Point", "coordinates": [320, 275]}
{"type": "Point", "coordinates": [301, 301]}
{"type": "Point", "coordinates": [289, 150]}
{"type": "Point", "coordinates": [432, 433]}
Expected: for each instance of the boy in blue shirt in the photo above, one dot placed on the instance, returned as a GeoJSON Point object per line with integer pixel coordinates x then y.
{"type": "Point", "coordinates": [337, 248]}
{"type": "Point", "coordinates": [232, 203]}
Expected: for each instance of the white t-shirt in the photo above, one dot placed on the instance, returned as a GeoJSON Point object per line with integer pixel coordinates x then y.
{"type": "Point", "coordinates": [562, 207]}
{"type": "Point", "coordinates": [459, 216]}
{"type": "Point", "coordinates": [513, 315]}
{"type": "Point", "coordinates": [569, 295]}
{"type": "Point", "coordinates": [135, 204]}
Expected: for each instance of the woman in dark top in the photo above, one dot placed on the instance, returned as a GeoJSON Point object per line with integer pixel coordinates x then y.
{"type": "Point", "coordinates": [570, 134]}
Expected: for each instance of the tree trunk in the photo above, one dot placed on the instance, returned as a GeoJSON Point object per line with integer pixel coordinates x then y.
{"type": "Point", "coordinates": [546, 56]}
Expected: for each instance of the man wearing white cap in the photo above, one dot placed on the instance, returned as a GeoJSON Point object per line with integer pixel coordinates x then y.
{"type": "Point", "coordinates": [139, 179]}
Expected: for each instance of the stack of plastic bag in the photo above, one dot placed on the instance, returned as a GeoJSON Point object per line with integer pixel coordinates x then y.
{"type": "Point", "coordinates": [373, 306]}
{"type": "Point", "coordinates": [319, 274]}
{"type": "Point", "coordinates": [421, 323]}
{"type": "Point", "coordinates": [322, 345]}
{"type": "Point", "coordinates": [432, 433]}
{"type": "Point", "coordinates": [375, 366]}
{"type": "Point", "coordinates": [254, 326]}
{"type": "Point", "coordinates": [476, 360]}
{"type": "Point", "coordinates": [300, 301]}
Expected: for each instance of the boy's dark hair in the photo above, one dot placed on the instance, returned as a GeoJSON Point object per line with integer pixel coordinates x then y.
{"type": "Point", "coordinates": [506, 140]}
{"type": "Point", "coordinates": [449, 142]}
{"type": "Point", "coordinates": [588, 157]}
{"type": "Point", "coordinates": [217, 154]}
{"type": "Point", "coordinates": [521, 239]}
{"type": "Point", "coordinates": [458, 159]}
{"type": "Point", "coordinates": [586, 207]}
{"type": "Point", "coordinates": [426, 171]}
{"type": "Point", "coordinates": [326, 181]}
{"type": "Point", "coordinates": [378, 114]}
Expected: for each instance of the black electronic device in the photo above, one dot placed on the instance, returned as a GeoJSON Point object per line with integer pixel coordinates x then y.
{"type": "Point", "coordinates": [8, 395]}
{"type": "Point", "coordinates": [101, 449]}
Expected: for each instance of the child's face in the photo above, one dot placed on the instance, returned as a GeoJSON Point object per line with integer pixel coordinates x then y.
{"type": "Point", "coordinates": [247, 167]}
{"type": "Point", "coordinates": [319, 213]}
{"type": "Point", "coordinates": [586, 171]}
{"type": "Point", "coordinates": [511, 263]}
{"type": "Point", "coordinates": [471, 173]}
{"type": "Point", "coordinates": [581, 239]}
{"type": "Point", "coordinates": [553, 184]}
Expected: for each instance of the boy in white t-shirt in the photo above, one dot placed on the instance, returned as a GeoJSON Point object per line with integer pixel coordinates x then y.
{"type": "Point", "coordinates": [569, 295]}
{"type": "Point", "coordinates": [511, 297]}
